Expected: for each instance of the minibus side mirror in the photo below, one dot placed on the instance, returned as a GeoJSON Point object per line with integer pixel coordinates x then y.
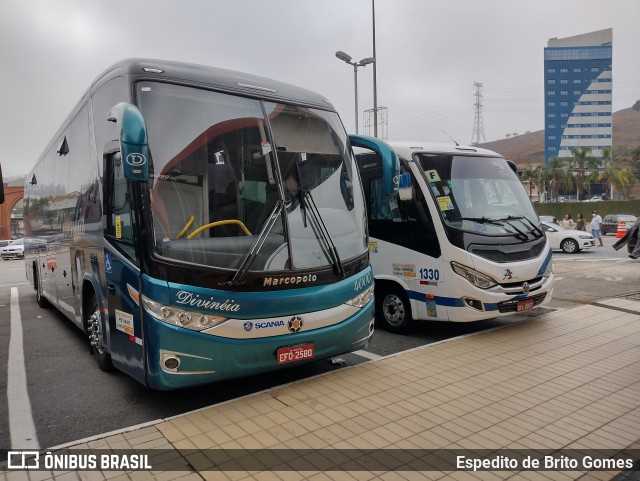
{"type": "Point", "coordinates": [513, 166]}
{"type": "Point", "coordinates": [134, 146]}
{"type": "Point", "coordinates": [405, 191]}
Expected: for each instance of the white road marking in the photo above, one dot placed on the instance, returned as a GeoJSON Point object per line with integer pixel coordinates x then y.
{"type": "Point", "coordinates": [21, 426]}
{"type": "Point", "coordinates": [368, 355]}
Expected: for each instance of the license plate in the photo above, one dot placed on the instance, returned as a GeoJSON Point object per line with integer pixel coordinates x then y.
{"type": "Point", "coordinates": [524, 305]}
{"type": "Point", "coordinates": [294, 353]}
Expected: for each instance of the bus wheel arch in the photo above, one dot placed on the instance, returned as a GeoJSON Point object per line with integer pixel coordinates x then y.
{"type": "Point", "coordinates": [91, 322]}
{"type": "Point", "coordinates": [393, 308]}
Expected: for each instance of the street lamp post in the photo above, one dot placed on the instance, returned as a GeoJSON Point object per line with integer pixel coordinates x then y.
{"type": "Point", "coordinates": [365, 61]}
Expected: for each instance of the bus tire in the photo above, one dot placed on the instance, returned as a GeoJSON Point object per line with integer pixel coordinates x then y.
{"type": "Point", "coordinates": [393, 310]}
{"type": "Point", "coordinates": [96, 339]}
{"type": "Point", "coordinates": [40, 299]}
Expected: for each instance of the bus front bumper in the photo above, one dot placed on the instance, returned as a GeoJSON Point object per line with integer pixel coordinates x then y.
{"type": "Point", "coordinates": [179, 358]}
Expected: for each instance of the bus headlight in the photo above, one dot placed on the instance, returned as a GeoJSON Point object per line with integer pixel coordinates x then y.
{"type": "Point", "coordinates": [196, 321]}
{"type": "Point", "coordinates": [361, 299]}
{"type": "Point", "coordinates": [474, 277]}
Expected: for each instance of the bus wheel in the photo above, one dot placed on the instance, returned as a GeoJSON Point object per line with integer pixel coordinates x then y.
{"type": "Point", "coordinates": [94, 329]}
{"type": "Point", "coordinates": [393, 310]}
{"type": "Point", "coordinates": [40, 299]}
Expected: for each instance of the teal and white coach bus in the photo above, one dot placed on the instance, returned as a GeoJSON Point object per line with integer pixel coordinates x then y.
{"type": "Point", "coordinates": [201, 224]}
{"type": "Point", "coordinates": [458, 241]}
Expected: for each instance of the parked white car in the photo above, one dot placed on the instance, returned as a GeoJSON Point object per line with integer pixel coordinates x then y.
{"type": "Point", "coordinates": [15, 249]}
{"type": "Point", "coordinates": [570, 241]}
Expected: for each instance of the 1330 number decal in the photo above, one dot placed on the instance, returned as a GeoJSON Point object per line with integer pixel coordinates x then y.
{"type": "Point", "coordinates": [429, 274]}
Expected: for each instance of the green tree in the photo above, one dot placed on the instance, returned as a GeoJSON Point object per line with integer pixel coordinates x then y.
{"type": "Point", "coordinates": [613, 174]}
{"type": "Point", "coordinates": [556, 173]}
{"type": "Point", "coordinates": [623, 180]}
{"type": "Point", "coordinates": [581, 165]}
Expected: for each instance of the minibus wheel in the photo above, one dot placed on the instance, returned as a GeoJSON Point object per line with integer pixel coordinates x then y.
{"type": "Point", "coordinates": [393, 310]}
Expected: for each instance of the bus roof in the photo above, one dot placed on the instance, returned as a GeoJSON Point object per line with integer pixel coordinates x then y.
{"type": "Point", "coordinates": [407, 148]}
{"type": "Point", "coordinates": [214, 77]}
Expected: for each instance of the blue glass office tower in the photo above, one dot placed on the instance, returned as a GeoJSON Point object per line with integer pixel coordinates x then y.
{"type": "Point", "coordinates": [578, 92]}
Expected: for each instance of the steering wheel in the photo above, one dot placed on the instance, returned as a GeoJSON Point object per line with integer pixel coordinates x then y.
{"type": "Point", "coordinates": [219, 223]}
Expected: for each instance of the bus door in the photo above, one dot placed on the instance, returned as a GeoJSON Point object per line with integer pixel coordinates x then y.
{"type": "Point", "coordinates": [124, 333]}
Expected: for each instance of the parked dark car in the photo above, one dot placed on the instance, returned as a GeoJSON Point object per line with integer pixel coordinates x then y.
{"type": "Point", "coordinates": [610, 222]}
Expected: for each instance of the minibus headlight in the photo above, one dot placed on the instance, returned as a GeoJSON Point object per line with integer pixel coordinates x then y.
{"type": "Point", "coordinates": [549, 270]}
{"type": "Point", "coordinates": [474, 277]}
{"type": "Point", "coordinates": [362, 299]}
{"type": "Point", "coordinates": [196, 321]}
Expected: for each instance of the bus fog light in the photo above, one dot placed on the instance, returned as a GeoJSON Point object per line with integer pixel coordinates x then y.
{"type": "Point", "coordinates": [171, 363]}
{"type": "Point", "coordinates": [473, 303]}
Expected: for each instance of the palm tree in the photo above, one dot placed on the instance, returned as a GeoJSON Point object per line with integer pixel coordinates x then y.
{"type": "Point", "coordinates": [623, 180]}
{"type": "Point", "coordinates": [582, 163]}
{"type": "Point", "coordinates": [609, 165]}
{"type": "Point", "coordinates": [542, 178]}
{"type": "Point", "coordinates": [556, 173]}
{"type": "Point", "coordinates": [529, 175]}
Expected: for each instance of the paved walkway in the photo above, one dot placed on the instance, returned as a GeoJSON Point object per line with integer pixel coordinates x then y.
{"type": "Point", "coordinates": [567, 380]}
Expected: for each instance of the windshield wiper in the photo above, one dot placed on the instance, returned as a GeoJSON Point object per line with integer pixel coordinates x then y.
{"type": "Point", "coordinates": [241, 273]}
{"type": "Point", "coordinates": [537, 230]}
{"type": "Point", "coordinates": [307, 203]}
{"type": "Point", "coordinates": [484, 220]}
{"type": "Point", "coordinates": [520, 235]}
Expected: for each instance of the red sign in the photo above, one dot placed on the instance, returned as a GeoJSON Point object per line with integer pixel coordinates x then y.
{"type": "Point", "coordinates": [524, 305]}
{"type": "Point", "coordinates": [294, 353]}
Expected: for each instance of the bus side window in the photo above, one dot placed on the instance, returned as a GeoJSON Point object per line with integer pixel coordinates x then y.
{"type": "Point", "coordinates": [379, 207]}
{"type": "Point", "coordinates": [405, 223]}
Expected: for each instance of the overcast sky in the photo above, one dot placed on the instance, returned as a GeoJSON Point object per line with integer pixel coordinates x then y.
{"type": "Point", "coordinates": [429, 53]}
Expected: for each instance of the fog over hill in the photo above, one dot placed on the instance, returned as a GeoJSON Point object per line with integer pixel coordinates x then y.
{"type": "Point", "coordinates": [529, 148]}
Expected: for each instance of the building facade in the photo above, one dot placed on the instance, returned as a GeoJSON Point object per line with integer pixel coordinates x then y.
{"type": "Point", "coordinates": [578, 93]}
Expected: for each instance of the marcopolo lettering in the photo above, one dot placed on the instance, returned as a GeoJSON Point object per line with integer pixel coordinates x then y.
{"type": "Point", "coordinates": [194, 300]}
{"type": "Point", "coordinates": [293, 280]}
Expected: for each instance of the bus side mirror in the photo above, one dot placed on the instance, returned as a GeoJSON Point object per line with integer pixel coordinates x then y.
{"type": "Point", "coordinates": [390, 161]}
{"type": "Point", "coordinates": [513, 166]}
{"type": "Point", "coordinates": [405, 192]}
{"type": "Point", "coordinates": [134, 146]}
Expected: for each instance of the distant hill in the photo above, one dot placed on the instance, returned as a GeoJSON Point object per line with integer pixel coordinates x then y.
{"type": "Point", "coordinates": [529, 148]}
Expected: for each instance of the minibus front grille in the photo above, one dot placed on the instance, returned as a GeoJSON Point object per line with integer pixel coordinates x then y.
{"type": "Point", "coordinates": [512, 306]}
{"type": "Point", "coordinates": [507, 253]}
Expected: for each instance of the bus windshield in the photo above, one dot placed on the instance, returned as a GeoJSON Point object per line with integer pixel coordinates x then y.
{"type": "Point", "coordinates": [478, 194]}
{"type": "Point", "coordinates": [228, 174]}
